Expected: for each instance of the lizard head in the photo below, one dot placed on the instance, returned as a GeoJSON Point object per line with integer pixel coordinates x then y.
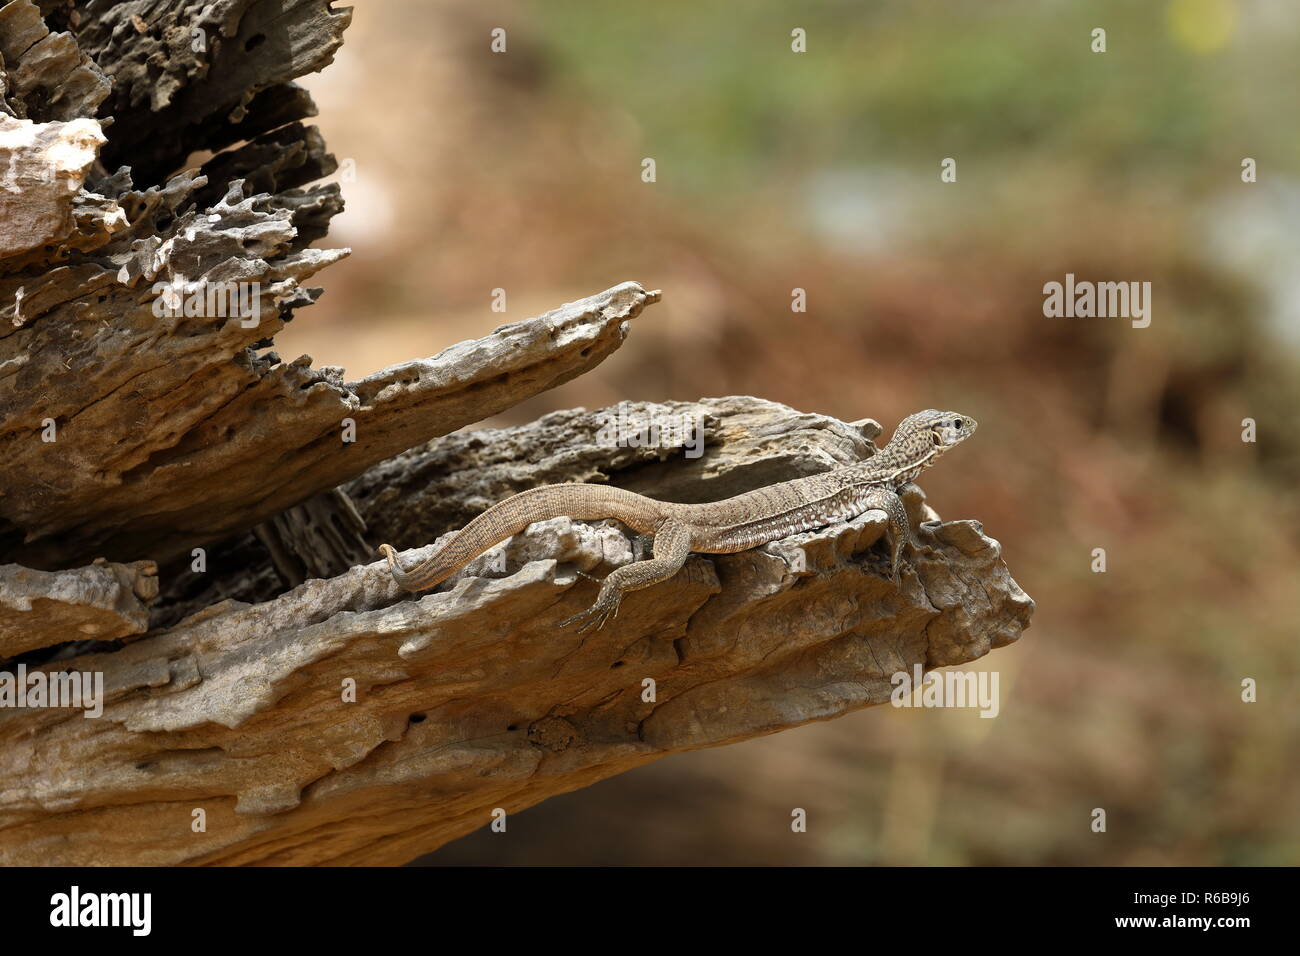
{"type": "Point", "coordinates": [939, 429]}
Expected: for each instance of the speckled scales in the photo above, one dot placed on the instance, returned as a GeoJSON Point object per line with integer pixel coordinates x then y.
{"type": "Point", "coordinates": [719, 527]}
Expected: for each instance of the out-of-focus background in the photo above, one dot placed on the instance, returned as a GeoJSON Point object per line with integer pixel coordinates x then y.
{"type": "Point", "coordinates": [466, 171]}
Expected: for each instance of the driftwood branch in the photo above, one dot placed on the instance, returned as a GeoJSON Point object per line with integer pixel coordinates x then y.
{"type": "Point", "coordinates": [187, 521]}
{"type": "Point", "coordinates": [471, 698]}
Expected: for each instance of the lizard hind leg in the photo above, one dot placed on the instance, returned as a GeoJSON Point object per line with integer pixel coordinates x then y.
{"type": "Point", "coordinates": [672, 547]}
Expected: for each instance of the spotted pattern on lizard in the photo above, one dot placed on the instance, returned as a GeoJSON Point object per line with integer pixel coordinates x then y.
{"type": "Point", "coordinates": [716, 527]}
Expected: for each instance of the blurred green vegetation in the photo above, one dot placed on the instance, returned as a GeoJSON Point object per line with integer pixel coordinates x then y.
{"type": "Point", "coordinates": [1182, 88]}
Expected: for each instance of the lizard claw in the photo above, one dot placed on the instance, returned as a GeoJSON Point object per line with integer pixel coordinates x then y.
{"type": "Point", "coordinates": [594, 618]}
{"type": "Point", "coordinates": [582, 619]}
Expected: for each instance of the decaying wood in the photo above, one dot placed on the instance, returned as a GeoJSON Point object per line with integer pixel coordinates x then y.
{"type": "Point", "coordinates": [471, 698]}
{"type": "Point", "coordinates": [319, 538]}
{"type": "Point", "coordinates": [190, 518]}
{"type": "Point", "coordinates": [145, 410]}
{"type": "Point", "coordinates": [102, 602]}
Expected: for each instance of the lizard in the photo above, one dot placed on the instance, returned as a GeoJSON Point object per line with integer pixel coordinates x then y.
{"type": "Point", "coordinates": [718, 527]}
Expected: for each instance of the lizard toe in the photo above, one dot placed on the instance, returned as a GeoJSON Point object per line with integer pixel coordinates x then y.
{"type": "Point", "coordinates": [574, 619]}
{"type": "Point", "coordinates": [593, 615]}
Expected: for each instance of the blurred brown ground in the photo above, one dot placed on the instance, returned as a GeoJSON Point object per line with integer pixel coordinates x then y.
{"type": "Point", "coordinates": [475, 171]}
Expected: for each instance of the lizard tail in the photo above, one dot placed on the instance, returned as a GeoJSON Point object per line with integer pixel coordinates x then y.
{"type": "Point", "coordinates": [423, 575]}
{"type": "Point", "coordinates": [388, 551]}
{"type": "Point", "coordinates": [509, 517]}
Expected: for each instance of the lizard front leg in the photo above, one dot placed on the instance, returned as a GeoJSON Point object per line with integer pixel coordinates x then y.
{"type": "Point", "coordinates": [671, 548]}
{"type": "Point", "coordinates": [899, 532]}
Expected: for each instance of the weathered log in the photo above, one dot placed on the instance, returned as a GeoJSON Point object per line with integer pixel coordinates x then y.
{"type": "Point", "coordinates": [471, 698]}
